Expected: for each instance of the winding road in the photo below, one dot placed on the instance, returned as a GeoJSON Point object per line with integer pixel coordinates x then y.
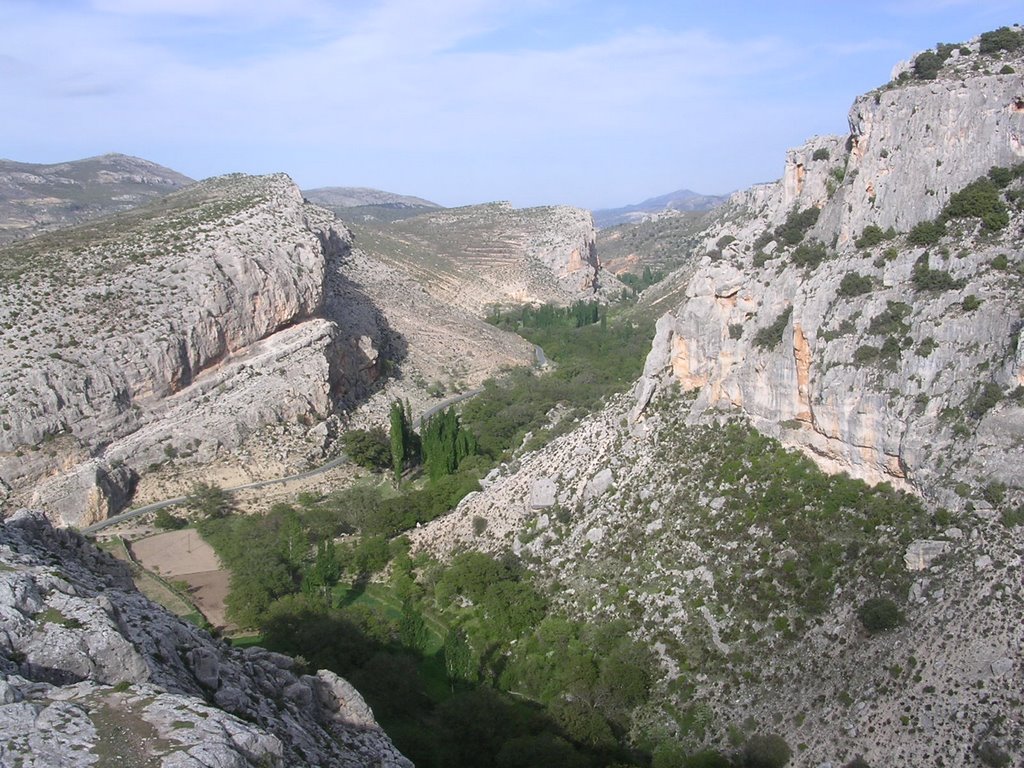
{"type": "Point", "coordinates": [335, 462]}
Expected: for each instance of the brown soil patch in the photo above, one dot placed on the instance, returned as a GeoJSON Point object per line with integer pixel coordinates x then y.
{"type": "Point", "coordinates": [184, 556]}
{"type": "Point", "coordinates": [176, 553]}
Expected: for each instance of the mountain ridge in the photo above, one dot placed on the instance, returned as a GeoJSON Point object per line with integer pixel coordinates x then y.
{"type": "Point", "coordinates": [37, 197]}
{"type": "Point", "coordinates": [681, 200]}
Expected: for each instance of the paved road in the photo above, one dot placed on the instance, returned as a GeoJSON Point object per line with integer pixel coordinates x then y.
{"type": "Point", "coordinates": [335, 462]}
{"type": "Point", "coordinates": [445, 403]}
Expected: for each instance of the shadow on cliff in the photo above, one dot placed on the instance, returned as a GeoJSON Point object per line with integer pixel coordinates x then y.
{"type": "Point", "coordinates": [367, 350]}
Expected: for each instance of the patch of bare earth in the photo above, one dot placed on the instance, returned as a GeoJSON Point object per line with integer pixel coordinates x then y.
{"type": "Point", "coordinates": [184, 556]}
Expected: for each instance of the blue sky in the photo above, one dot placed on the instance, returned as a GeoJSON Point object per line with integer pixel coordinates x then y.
{"type": "Point", "coordinates": [586, 102]}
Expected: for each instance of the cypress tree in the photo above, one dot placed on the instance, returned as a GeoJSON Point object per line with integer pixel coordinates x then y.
{"type": "Point", "coordinates": [399, 430]}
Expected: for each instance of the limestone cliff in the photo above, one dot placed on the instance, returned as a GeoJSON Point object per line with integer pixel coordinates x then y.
{"type": "Point", "coordinates": [177, 330]}
{"type": "Point", "coordinates": [93, 673]}
{"type": "Point", "coordinates": [877, 351]}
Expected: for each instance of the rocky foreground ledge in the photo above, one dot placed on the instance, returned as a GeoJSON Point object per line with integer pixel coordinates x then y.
{"type": "Point", "coordinates": [93, 673]}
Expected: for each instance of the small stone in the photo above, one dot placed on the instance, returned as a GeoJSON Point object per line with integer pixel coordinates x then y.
{"type": "Point", "coordinates": [542, 494]}
{"type": "Point", "coordinates": [1001, 666]}
{"type": "Point", "coordinates": [922, 553]}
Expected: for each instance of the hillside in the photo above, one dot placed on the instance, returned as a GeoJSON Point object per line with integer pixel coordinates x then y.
{"type": "Point", "coordinates": [682, 200]}
{"type": "Point", "coordinates": [483, 256]}
{"type": "Point", "coordinates": [363, 204]}
{"type": "Point", "coordinates": [781, 594]}
{"type": "Point", "coordinates": [216, 312]}
{"type": "Point", "coordinates": [40, 197]}
{"type": "Point", "coordinates": [662, 243]}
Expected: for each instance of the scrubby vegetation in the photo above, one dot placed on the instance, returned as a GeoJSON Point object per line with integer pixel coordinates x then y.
{"type": "Point", "coordinates": [879, 614]}
{"type": "Point", "coordinates": [770, 336]}
{"type": "Point", "coordinates": [1002, 39]}
{"type": "Point", "coordinates": [796, 225]}
{"type": "Point", "coordinates": [854, 284]}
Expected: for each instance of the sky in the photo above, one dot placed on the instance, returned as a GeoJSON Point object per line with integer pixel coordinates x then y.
{"type": "Point", "coordinates": [596, 103]}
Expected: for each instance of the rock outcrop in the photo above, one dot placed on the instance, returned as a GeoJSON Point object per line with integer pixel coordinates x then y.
{"type": "Point", "coordinates": [94, 673]}
{"type": "Point", "coordinates": [886, 357]}
{"type": "Point", "coordinates": [175, 331]}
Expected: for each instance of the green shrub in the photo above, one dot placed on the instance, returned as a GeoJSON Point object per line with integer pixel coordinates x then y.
{"type": "Point", "coordinates": [210, 500]}
{"type": "Point", "coordinates": [707, 759]}
{"type": "Point", "coordinates": [1000, 262]}
{"type": "Point", "coordinates": [1011, 518]}
{"type": "Point", "coordinates": [924, 278]}
{"type": "Point", "coordinates": [1007, 70]}
{"type": "Point", "coordinates": [979, 199]}
{"type": "Point", "coordinates": [970, 302]}
{"type": "Point", "coordinates": [987, 397]}
{"type": "Point", "coordinates": [735, 330]}
{"type": "Point", "coordinates": [770, 336]}
{"type": "Point", "coordinates": [165, 521]}
{"type": "Point", "coordinates": [809, 255]}
{"type": "Point", "coordinates": [889, 321]}
{"type": "Point", "coordinates": [1002, 39]}
{"type": "Point", "coordinates": [1000, 176]}
{"type": "Point", "coordinates": [368, 448]}
{"type": "Point", "coordinates": [854, 284]}
{"type": "Point", "coordinates": [927, 346]}
{"type": "Point", "coordinates": [865, 354]}
{"type": "Point", "coordinates": [857, 762]}
{"type": "Point", "coordinates": [793, 229]}
{"type": "Point", "coordinates": [927, 66]}
{"type": "Point", "coordinates": [766, 751]}
{"type": "Point", "coordinates": [820, 154]}
{"type": "Point", "coordinates": [871, 235]}
{"type": "Point", "coordinates": [926, 233]}
{"type": "Point", "coordinates": [993, 755]}
{"type": "Point", "coordinates": [994, 492]}
{"type": "Point", "coordinates": [879, 614]}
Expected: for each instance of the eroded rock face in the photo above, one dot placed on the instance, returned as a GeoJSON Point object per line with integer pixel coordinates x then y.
{"type": "Point", "coordinates": [162, 333]}
{"type": "Point", "coordinates": [92, 669]}
{"type": "Point", "coordinates": [887, 381]}
{"type": "Point", "coordinates": [177, 331]}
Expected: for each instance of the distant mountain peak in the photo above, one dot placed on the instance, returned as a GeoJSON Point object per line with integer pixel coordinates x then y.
{"type": "Point", "coordinates": [680, 200]}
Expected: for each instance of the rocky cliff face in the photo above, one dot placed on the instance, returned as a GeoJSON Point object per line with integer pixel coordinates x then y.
{"type": "Point", "coordinates": [94, 673]}
{"type": "Point", "coordinates": [893, 359]}
{"type": "Point", "coordinates": [177, 330]}
{"type": "Point", "coordinates": [907, 371]}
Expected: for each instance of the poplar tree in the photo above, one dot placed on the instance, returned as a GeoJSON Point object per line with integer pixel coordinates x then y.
{"type": "Point", "coordinates": [399, 433]}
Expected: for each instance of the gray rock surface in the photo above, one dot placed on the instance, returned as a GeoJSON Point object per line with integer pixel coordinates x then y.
{"type": "Point", "coordinates": [229, 306]}
{"type": "Point", "coordinates": [94, 673]}
{"type": "Point", "coordinates": [828, 383]}
{"type": "Point", "coordinates": [923, 552]}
